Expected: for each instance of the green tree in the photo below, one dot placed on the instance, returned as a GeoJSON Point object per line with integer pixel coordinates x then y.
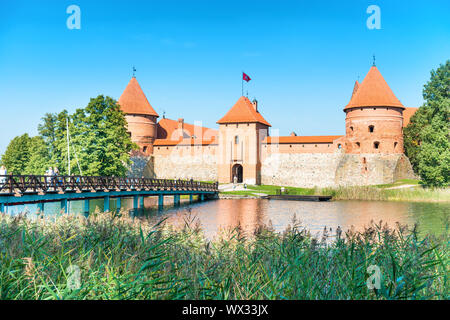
{"type": "Point", "coordinates": [39, 159]}
{"type": "Point", "coordinates": [17, 154]}
{"type": "Point", "coordinates": [100, 138]}
{"type": "Point", "coordinates": [427, 140]}
{"type": "Point", "coordinates": [53, 132]}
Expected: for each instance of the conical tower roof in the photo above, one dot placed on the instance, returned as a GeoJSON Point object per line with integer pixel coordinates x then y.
{"type": "Point", "coordinates": [134, 101]}
{"type": "Point", "coordinates": [355, 88]}
{"type": "Point", "coordinates": [243, 111]}
{"type": "Point", "coordinates": [373, 92]}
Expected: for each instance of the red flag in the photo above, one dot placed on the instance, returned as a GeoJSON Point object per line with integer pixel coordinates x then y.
{"type": "Point", "coordinates": [245, 77]}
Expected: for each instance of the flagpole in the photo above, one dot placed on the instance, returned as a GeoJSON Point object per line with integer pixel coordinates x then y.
{"type": "Point", "coordinates": [242, 83]}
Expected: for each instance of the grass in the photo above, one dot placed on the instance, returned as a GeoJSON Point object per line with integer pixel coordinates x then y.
{"type": "Point", "coordinates": [382, 192]}
{"type": "Point", "coordinates": [419, 194]}
{"type": "Point", "coordinates": [401, 182]}
{"type": "Point", "coordinates": [253, 190]}
{"type": "Point", "coordinates": [119, 257]}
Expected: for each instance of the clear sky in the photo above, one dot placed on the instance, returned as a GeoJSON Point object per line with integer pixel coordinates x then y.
{"type": "Point", "coordinates": [303, 57]}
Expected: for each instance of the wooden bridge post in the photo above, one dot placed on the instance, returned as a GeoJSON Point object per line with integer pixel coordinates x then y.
{"type": "Point", "coordinates": [118, 204]}
{"type": "Point", "coordinates": [135, 203]}
{"type": "Point", "coordinates": [2, 207]}
{"type": "Point", "coordinates": [64, 205]}
{"type": "Point", "coordinates": [191, 198]}
{"type": "Point", "coordinates": [141, 202]}
{"type": "Point", "coordinates": [176, 200]}
{"type": "Point", "coordinates": [40, 207]}
{"type": "Point", "coordinates": [106, 203]}
{"type": "Point", "coordinates": [202, 197]}
{"type": "Point", "coordinates": [86, 207]}
{"type": "Point", "coordinates": [160, 201]}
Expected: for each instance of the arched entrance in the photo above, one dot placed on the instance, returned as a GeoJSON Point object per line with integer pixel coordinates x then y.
{"type": "Point", "coordinates": [236, 171]}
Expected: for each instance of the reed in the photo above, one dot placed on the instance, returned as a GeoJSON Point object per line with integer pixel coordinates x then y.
{"type": "Point", "coordinates": [419, 194]}
{"type": "Point", "coordinates": [120, 257]}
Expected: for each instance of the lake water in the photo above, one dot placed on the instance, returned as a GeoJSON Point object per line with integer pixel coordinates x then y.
{"type": "Point", "coordinates": [251, 213]}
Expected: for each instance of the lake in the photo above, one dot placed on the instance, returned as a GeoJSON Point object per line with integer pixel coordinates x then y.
{"type": "Point", "coordinates": [251, 213]}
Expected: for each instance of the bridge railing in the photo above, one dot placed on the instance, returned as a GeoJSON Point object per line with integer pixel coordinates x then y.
{"type": "Point", "coordinates": [20, 184]}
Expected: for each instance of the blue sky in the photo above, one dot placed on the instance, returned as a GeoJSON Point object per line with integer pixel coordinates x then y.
{"type": "Point", "coordinates": [303, 57]}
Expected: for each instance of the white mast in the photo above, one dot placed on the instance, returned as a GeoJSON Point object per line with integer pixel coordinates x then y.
{"type": "Point", "coordinates": [68, 144]}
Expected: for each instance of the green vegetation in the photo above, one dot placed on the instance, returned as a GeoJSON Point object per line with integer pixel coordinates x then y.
{"type": "Point", "coordinates": [376, 193]}
{"type": "Point", "coordinates": [269, 190]}
{"type": "Point", "coordinates": [412, 191]}
{"type": "Point", "coordinates": [100, 143]}
{"type": "Point", "coordinates": [124, 258]}
{"type": "Point", "coordinates": [399, 183]}
{"type": "Point", "coordinates": [427, 136]}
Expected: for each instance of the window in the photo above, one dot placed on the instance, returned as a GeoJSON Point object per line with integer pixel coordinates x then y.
{"type": "Point", "coordinates": [236, 139]}
{"type": "Point", "coordinates": [339, 146]}
{"type": "Point", "coordinates": [371, 128]}
{"type": "Point", "coordinates": [376, 144]}
{"type": "Point", "coordinates": [351, 129]}
{"type": "Point", "coordinates": [144, 149]}
{"type": "Point", "coordinates": [358, 145]}
{"type": "Point", "coordinates": [395, 145]}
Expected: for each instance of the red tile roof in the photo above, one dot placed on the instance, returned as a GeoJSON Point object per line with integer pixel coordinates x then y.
{"type": "Point", "coordinates": [407, 114]}
{"type": "Point", "coordinates": [374, 92]}
{"type": "Point", "coordinates": [243, 111]}
{"type": "Point", "coordinates": [184, 142]}
{"type": "Point", "coordinates": [166, 128]}
{"type": "Point", "coordinates": [134, 101]}
{"type": "Point", "coordinates": [301, 139]}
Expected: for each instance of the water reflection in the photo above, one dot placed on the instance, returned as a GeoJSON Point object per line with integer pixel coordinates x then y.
{"type": "Point", "coordinates": [251, 213]}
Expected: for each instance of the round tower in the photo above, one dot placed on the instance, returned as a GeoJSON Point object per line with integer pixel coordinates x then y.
{"type": "Point", "coordinates": [140, 115]}
{"type": "Point", "coordinates": [374, 117]}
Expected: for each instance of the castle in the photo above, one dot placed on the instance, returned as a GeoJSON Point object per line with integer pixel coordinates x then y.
{"type": "Point", "coordinates": [370, 152]}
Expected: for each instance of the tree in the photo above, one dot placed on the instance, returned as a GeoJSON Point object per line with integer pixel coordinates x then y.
{"type": "Point", "coordinates": [100, 138]}
{"type": "Point", "coordinates": [39, 159]}
{"type": "Point", "coordinates": [427, 140]}
{"type": "Point", "coordinates": [17, 154]}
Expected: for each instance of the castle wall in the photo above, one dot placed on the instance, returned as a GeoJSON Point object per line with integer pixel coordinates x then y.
{"type": "Point", "coordinates": [183, 162]}
{"type": "Point", "coordinates": [300, 148]}
{"type": "Point", "coordinates": [333, 169]}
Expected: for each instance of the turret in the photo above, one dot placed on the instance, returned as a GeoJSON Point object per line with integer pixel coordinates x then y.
{"type": "Point", "coordinates": [374, 117]}
{"type": "Point", "coordinates": [140, 115]}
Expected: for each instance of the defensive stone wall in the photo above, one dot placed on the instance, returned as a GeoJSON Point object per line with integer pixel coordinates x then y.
{"type": "Point", "coordinates": [289, 169]}
{"type": "Point", "coordinates": [330, 170]}
{"type": "Point", "coordinates": [202, 167]}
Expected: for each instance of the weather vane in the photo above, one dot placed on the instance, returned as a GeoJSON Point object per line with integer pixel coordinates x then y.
{"type": "Point", "coordinates": [134, 72]}
{"type": "Point", "coordinates": [374, 60]}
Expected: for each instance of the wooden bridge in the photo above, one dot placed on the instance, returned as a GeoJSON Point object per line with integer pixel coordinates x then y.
{"type": "Point", "coordinates": [30, 189]}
